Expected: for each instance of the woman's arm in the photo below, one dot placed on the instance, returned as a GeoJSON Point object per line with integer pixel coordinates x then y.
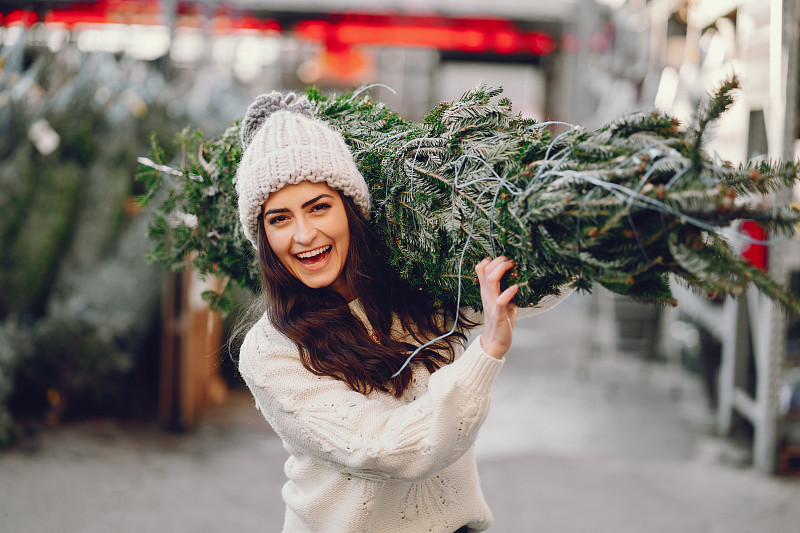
{"type": "Point", "coordinates": [326, 419]}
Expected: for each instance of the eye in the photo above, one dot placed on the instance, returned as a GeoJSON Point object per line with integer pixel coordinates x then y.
{"type": "Point", "coordinates": [320, 207]}
{"type": "Point", "coordinates": [277, 219]}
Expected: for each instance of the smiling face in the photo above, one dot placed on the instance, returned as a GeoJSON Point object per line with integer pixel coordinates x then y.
{"type": "Point", "coordinates": [306, 227]}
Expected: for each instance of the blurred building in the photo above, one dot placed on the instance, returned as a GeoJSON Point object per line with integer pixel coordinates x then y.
{"type": "Point", "coordinates": [693, 47]}
{"type": "Point", "coordinates": [577, 61]}
{"type": "Point", "coordinates": [76, 75]}
{"type": "Point", "coordinates": [572, 60]}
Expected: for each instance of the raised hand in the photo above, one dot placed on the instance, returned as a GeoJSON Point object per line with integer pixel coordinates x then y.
{"type": "Point", "coordinates": [499, 313]}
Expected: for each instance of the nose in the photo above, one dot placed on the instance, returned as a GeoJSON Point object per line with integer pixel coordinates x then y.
{"type": "Point", "coordinates": [304, 232]}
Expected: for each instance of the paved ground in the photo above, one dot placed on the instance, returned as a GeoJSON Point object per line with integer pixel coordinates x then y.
{"type": "Point", "coordinates": [579, 439]}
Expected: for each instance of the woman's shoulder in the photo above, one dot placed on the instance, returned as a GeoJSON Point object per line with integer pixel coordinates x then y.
{"type": "Point", "coordinates": [263, 342]}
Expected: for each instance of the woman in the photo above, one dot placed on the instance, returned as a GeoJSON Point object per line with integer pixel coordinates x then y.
{"type": "Point", "coordinates": [370, 451]}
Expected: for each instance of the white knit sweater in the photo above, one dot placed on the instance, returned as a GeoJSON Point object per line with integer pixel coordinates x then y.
{"type": "Point", "coordinates": [374, 463]}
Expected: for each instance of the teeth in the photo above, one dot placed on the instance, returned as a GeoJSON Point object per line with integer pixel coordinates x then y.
{"type": "Point", "coordinates": [312, 253]}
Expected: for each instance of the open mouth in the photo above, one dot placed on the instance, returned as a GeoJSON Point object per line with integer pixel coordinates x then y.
{"type": "Point", "coordinates": [314, 256]}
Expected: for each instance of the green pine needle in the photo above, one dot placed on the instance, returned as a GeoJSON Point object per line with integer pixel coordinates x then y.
{"type": "Point", "coordinates": [624, 206]}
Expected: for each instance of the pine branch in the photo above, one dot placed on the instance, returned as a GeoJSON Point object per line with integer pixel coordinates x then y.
{"type": "Point", "coordinates": [623, 206]}
{"type": "Point", "coordinates": [604, 205]}
{"type": "Point", "coordinates": [198, 218]}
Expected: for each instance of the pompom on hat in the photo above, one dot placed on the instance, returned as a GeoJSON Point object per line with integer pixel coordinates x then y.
{"type": "Point", "coordinates": [283, 143]}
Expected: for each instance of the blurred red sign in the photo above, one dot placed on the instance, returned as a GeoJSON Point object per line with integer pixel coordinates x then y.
{"type": "Point", "coordinates": [754, 253]}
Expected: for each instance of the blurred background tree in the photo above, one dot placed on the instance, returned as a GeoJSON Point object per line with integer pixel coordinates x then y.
{"type": "Point", "coordinates": [71, 242]}
{"type": "Point", "coordinates": [79, 306]}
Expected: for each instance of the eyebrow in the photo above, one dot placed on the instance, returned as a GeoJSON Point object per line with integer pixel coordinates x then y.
{"type": "Point", "coordinates": [306, 204]}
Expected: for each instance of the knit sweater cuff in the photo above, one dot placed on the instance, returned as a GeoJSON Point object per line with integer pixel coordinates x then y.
{"type": "Point", "coordinates": [477, 367]}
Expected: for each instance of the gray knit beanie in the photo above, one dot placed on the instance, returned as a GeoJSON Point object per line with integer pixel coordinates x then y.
{"type": "Point", "coordinates": [283, 143]}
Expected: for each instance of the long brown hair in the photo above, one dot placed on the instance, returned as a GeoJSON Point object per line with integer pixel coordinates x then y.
{"type": "Point", "coordinates": [333, 342]}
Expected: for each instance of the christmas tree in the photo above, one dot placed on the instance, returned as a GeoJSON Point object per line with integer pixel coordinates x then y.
{"type": "Point", "coordinates": [623, 206]}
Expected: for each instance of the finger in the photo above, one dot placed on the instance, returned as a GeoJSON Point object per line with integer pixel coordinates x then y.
{"type": "Point", "coordinates": [492, 265]}
{"type": "Point", "coordinates": [496, 271]}
{"type": "Point", "coordinates": [480, 268]}
{"type": "Point", "coordinates": [498, 262]}
{"type": "Point", "coordinates": [507, 295]}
